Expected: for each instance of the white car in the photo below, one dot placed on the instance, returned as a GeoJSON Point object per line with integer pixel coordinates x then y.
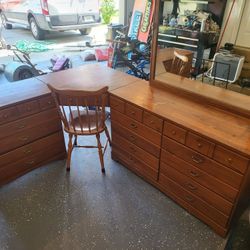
{"type": "Point", "coordinates": [51, 15]}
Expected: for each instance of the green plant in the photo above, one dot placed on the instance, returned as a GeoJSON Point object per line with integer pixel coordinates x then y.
{"type": "Point", "coordinates": [108, 10]}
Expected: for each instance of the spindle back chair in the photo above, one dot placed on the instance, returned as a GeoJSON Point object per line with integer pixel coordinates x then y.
{"type": "Point", "coordinates": [83, 113]}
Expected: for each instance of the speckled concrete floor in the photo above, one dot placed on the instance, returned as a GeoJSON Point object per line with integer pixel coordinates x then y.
{"type": "Point", "coordinates": [51, 209]}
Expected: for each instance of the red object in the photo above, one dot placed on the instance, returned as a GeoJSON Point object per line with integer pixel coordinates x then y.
{"type": "Point", "coordinates": [110, 56]}
{"type": "Point", "coordinates": [101, 54]}
{"type": "Point", "coordinates": [45, 7]}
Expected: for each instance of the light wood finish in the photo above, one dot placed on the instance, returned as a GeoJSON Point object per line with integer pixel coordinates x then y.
{"type": "Point", "coordinates": [89, 77]}
{"type": "Point", "coordinates": [83, 114]}
{"type": "Point", "coordinates": [205, 151]}
{"type": "Point", "coordinates": [30, 130]}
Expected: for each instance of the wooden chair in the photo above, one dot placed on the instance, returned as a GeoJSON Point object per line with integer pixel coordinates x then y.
{"type": "Point", "coordinates": [83, 113]}
{"type": "Point", "coordinates": [179, 64]}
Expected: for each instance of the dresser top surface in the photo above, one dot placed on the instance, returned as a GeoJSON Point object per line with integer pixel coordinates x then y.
{"type": "Point", "coordinates": [224, 127]}
{"type": "Point", "coordinates": [12, 93]}
{"type": "Point", "coordinates": [88, 77]}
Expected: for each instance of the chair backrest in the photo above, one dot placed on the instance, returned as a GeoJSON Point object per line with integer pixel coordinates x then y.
{"type": "Point", "coordinates": [72, 104]}
{"type": "Point", "coordinates": [179, 64]}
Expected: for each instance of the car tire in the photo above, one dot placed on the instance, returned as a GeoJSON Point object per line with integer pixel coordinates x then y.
{"type": "Point", "coordinates": [6, 25]}
{"type": "Point", "coordinates": [36, 31]}
{"type": "Point", "coordinates": [85, 32]}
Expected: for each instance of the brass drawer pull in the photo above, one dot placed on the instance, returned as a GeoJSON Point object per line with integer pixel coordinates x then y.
{"type": "Point", "coordinates": [49, 102]}
{"type": "Point", "coordinates": [151, 122]}
{"type": "Point", "coordinates": [173, 132]}
{"type": "Point", "coordinates": [132, 138]}
{"type": "Point", "coordinates": [196, 159]}
{"type": "Point", "coordinates": [5, 116]}
{"type": "Point", "coordinates": [30, 162]}
{"type": "Point", "coordinates": [191, 186]}
{"type": "Point", "coordinates": [21, 126]}
{"type": "Point", "coordinates": [194, 174]}
{"type": "Point", "coordinates": [132, 125]}
{"type": "Point", "coordinates": [199, 145]}
{"type": "Point", "coordinates": [189, 199]}
{"type": "Point", "coordinates": [229, 160]}
{"type": "Point", "coordinates": [24, 138]}
{"type": "Point", "coordinates": [132, 113]}
{"type": "Point", "coordinates": [28, 151]}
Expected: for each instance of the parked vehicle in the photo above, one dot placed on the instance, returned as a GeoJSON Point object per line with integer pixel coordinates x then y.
{"type": "Point", "coordinates": [51, 15]}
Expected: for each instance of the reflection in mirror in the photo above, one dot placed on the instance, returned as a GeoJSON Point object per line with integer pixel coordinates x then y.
{"type": "Point", "coordinates": [188, 35]}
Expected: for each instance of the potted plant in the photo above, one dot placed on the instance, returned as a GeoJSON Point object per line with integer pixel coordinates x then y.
{"type": "Point", "coordinates": [107, 10]}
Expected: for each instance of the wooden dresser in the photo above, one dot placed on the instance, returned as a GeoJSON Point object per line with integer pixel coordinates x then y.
{"type": "Point", "coordinates": [196, 154]}
{"type": "Point", "coordinates": [30, 129]}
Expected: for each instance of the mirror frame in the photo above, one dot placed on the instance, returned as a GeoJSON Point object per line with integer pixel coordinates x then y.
{"type": "Point", "coordinates": [205, 94]}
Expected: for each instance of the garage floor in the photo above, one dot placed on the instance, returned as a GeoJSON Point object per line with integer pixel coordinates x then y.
{"type": "Point", "coordinates": [49, 208]}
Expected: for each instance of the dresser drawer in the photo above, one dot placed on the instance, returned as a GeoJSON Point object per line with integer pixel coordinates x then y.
{"type": "Point", "coordinates": [205, 194]}
{"type": "Point", "coordinates": [217, 170]}
{"type": "Point", "coordinates": [56, 139]}
{"type": "Point", "coordinates": [152, 121]}
{"type": "Point", "coordinates": [134, 164]}
{"type": "Point", "coordinates": [46, 102]}
{"type": "Point", "coordinates": [231, 159]}
{"type": "Point", "coordinates": [8, 114]}
{"type": "Point", "coordinates": [134, 112]}
{"type": "Point", "coordinates": [137, 127]}
{"type": "Point", "coordinates": [198, 175]}
{"type": "Point", "coordinates": [132, 149]}
{"type": "Point", "coordinates": [135, 139]}
{"type": "Point", "coordinates": [117, 104]}
{"type": "Point", "coordinates": [174, 132]}
{"type": "Point", "coordinates": [194, 201]}
{"type": "Point", "coordinates": [200, 144]}
{"type": "Point", "coordinates": [28, 135]}
{"type": "Point", "coordinates": [17, 168]}
{"type": "Point", "coordinates": [28, 108]}
{"type": "Point", "coordinates": [11, 128]}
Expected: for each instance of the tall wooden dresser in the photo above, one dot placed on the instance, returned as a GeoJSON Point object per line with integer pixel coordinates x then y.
{"type": "Point", "coordinates": [196, 154]}
{"type": "Point", "coordinates": [30, 129]}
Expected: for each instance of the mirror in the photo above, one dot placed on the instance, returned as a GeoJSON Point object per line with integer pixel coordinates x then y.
{"type": "Point", "coordinates": [188, 33]}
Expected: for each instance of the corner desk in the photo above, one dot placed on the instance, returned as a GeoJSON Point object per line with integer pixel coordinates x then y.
{"type": "Point", "coordinates": [196, 154]}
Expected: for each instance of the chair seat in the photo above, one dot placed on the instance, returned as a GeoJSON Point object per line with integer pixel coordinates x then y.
{"type": "Point", "coordinates": [86, 122]}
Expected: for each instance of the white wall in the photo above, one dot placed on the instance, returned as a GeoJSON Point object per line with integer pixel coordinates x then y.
{"type": "Point", "coordinates": [231, 31]}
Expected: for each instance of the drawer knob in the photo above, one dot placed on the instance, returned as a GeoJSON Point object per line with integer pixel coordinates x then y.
{"type": "Point", "coordinates": [28, 109]}
{"type": "Point", "coordinates": [194, 174]}
{"type": "Point", "coordinates": [132, 125]}
{"type": "Point", "coordinates": [30, 162]}
{"type": "Point", "coordinates": [28, 151]}
{"type": "Point", "coordinates": [196, 159]}
{"type": "Point", "coordinates": [173, 132]}
{"type": "Point", "coordinates": [49, 102]}
{"type": "Point", "coordinates": [191, 186]}
{"type": "Point", "coordinates": [151, 122]}
{"type": "Point", "coordinates": [21, 126]}
{"type": "Point", "coordinates": [199, 145]}
{"type": "Point", "coordinates": [5, 116]}
{"type": "Point", "coordinates": [24, 138]}
{"type": "Point", "coordinates": [189, 199]}
{"type": "Point", "coordinates": [132, 138]}
{"type": "Point", "coordinates": [229, 160]}
{"type": "Point", "coordinates": [132, 113]}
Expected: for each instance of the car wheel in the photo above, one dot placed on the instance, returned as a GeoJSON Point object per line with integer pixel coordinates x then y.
{"type": "Point", "coordinates": [85, 31]}
{"type": "Point", "coordinates": [36, 31]}
{"type": "Point", "coordinates": [6, 25]}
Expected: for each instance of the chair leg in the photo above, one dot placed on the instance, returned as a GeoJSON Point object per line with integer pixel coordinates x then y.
{"type": "Point", "coordinates": [100, 152]}
{"type": "Point", "coordinates": [75, 141]}
{"type": "Point", "coordinates": [70, 148]}
{"type": "Point", "coordinates": [108, 136]}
